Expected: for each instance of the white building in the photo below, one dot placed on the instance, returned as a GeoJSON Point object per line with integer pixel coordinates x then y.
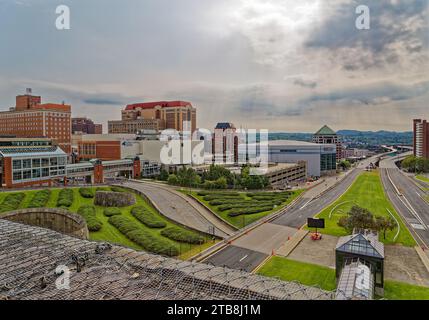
{"type": "Point", "coordinates": [320, 158]}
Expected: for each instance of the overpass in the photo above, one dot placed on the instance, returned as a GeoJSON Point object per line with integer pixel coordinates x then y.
{"type": "Point", "coordinates": [96, 171]}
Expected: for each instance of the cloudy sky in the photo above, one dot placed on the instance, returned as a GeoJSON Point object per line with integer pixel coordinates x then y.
{"type": "Point", "coordinates": [284, 65]}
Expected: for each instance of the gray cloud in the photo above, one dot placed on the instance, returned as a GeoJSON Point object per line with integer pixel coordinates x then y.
{"type": "Point", "coordinates": [305, 83]}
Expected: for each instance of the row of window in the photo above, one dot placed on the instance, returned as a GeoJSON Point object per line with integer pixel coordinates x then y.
{"type": "Point", "coordinates": [38, 162]}
{"type": "Point", "coordinates": [38, 173]}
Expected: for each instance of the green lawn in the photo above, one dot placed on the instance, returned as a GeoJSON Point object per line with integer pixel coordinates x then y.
{"type": "Point", "coordinates": [108, 232]}
{"type": "Point", "coordinates": [323, 277]}
{"type": "Point", "coordinates": [423, 178]}
{"type": "Point", "coordinates": [305, 273]}
{"type": "Point", "coordinates": [394, 290]}
{"type": "Point", "coordinates": [244, 219]}
{"type": "Point", "coordinates": [367, 192]}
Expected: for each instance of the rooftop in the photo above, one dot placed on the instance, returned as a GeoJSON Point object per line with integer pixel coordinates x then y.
{"type": "Point", "coordinates": [325, 131]}
{"type": "Point", "coordinates": [30, 256]}
{"type": "Point", "coordinates": [162, 104]}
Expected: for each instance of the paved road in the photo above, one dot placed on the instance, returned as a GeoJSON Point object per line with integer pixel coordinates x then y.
{"type": "Point", "coordinates": [293, 217]}
{"type": "Point", "coordinates": [178, 208]}
{"type": "Point", "coordinates": [409, 202]}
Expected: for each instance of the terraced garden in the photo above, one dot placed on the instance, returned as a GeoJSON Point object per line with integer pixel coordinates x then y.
{"type": "Point", "coordinates": [139, 226]}
{"type": "Point", "coordinates": [240, 208]}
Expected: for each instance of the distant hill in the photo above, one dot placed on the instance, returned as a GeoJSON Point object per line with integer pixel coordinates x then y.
{"type": "Point", "coordinates": [354, 138]}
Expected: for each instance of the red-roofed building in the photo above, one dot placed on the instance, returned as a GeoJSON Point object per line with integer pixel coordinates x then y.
{"type": "Point", "coordinates": [157, 116]}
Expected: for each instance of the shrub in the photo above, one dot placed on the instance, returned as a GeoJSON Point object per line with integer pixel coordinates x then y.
{"type": "Point", "coordinates": [173, 180]}
{"type": "Point", "coordinates": [203, 193]}
{"type": "Point", "coordinates": [117, 189]}
{"type": "Point", "coordinates": [87, 192]}
{"type": "Point", "coordinates": [65, 198]}
{"type": "Point", "coordinates": [112, 211]}
{"type": "Point", "coordinates": [88, 213]}
{"type": "Point", "coordinates": [239, 212]}
{"type": "Point", "coordinates": [147, 217]}
{"type": "Point", "coordinates": [216, 197]}
{"type": "Point", "coordinates": [12, 202]}
{"type": "Point", "coordinates": [182, 235]}
{"type": "Point", "coordinates": [102, 189]}
{"type": "Point", "coordinates": [40, 199]}
{"type": "Point", "coordinates": [149, 242]}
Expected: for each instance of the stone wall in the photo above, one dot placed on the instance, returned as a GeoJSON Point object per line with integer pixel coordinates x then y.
{"type": "Point", "coordinates": [59, 220]}
{"type": "Point", "coordinates": [114, 199]}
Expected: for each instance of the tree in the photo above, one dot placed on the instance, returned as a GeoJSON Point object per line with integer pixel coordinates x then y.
{"type": "Point", "coordinates": [345, 164]}
{"type": "Point", "coordinates": [220, 183]}
{"type": "Point", "coordinates": [415, 164]}
{"type": "Point", "coordinates": [357, 217]}
{"type": "Point", "coordinates": [188, 177]}
{"type": "Point", "coordinates": [173, 180]}
{"type": "Point", "coordinates": [163, 175]}
{"type": "Point", "coordinates": [215, 172]}
{"type": "Point", "coordinates": [384, 224]}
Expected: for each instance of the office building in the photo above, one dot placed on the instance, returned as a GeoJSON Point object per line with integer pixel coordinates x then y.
{"type": "Point", "coordinates": [326, 135]}
{"type": "Point", "coordinates": [421, 138]}
{"type": "Point", "coordinates": [30, 118]}
{"type": "Point", "coordinates": [158, 115]}
{"type": "Point", "coordinates": [85, 126]}
{"type": "Point", "coordinates": [225, 143]}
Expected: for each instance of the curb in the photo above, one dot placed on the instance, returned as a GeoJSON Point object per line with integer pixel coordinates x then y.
{"type": "Point", "coordinates": [204, 255]}
{"type": "Point", "coordinates": [423, 257]}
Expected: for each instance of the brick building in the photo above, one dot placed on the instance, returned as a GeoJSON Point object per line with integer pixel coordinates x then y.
{"type": "Point", "coordinates": [158, 115]}
{"type": "Point", "coordinates": [30, 161]}
{"type": "Point", "coordinates": [85, 126]}
{"type": "Point", "coordinates": [421, 138]}
{"type": "Point", "coordinates": [30, 118]}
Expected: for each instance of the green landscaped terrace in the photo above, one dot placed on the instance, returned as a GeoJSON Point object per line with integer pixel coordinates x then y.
{"type": "Point", "coordinates": [108, 232]}
{"type": "Point", "coordinates": [324, 277]}
{"type": "Point", "coordinates": [366, 192]}
{"type": "Point", "coordinates": [422, 178]}
{"type": "Point", "coordinates": [243, 200]}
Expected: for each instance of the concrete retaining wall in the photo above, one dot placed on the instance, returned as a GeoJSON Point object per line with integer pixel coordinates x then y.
{"type": "Point", "coordinates": [58, 220]}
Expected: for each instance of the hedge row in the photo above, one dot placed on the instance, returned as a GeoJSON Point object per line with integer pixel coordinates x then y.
{"type": "Point", "coordinates": [245, 203]}
{"type": "Point", "coordinates": [112, 211]}
{"type": "Point", "coordinates": [149, 242]}
{"type": "Point", "coordinates": [102, 189]}
{"type": "Point", "coordinates": [87, 192]}
{"type": "Point", "coordinates": [40, 199]}
{"type": "Point", "coordinates": [239, 212]}
{"type": "Point", "coordinates": [65, 198]}
{"type": "Point", "coordinates": [275, 194]}
{"type": "Point", "coordinates": [88, 213]}
{"type": "Point", "coordinates": [117, 189]}
{"type": "Point", "coordinates": [12, 201]}
{"type": "Point", "coordinates": [225, 207]}
{"type": "Point", "coordinates": [147, 217]}
{"type": "Point", "coordinates": [207, 193]}
{"type": "Point", "coordinates": [182, 235]}
{"type": "Point", "coordinates": [215, 197]}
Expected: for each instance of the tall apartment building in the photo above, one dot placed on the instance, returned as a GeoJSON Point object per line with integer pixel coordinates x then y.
{"type": "Point", "coordinates": [32, 119]}
{"type": "Point", "coordinates": [225, 143]}
{"type": "Point", "coordinates": [326, 135]}
{"type": "Point", "coordinates": [158, 115]}
{"type": "Point", "coordinates": [421, 138]}
{"type": "Point", "coordinates": [85, 126]}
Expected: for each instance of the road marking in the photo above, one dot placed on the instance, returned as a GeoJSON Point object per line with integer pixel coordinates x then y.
{"type": "Point", "coordinates": [306, 204]}
{"type": "Point", "coordinates": [244, 257]}
{"type": "Point", "coordinates": [418, 226]}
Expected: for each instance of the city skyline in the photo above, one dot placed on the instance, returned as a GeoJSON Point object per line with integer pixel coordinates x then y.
{"type": "Point", "coordinates": [288, 67]}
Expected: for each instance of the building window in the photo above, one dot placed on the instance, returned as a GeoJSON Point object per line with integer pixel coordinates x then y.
{"type": "Point", "coordinates": [17, 176]}
{"type": "Point", "coordinates": [26, 174]}
{"type": "Point", "coordinates": [45, 172]}
{"type": "Point", "coordinates": [45, 162]}
{"type": "Point", "coordinates": [36, 173]}
{"type": "Point", "coordinates": [36, 163]}
{"type": "Point", "coordinates": [26, 163]}
{"type": "Point", "coordinates": [17, 164]}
